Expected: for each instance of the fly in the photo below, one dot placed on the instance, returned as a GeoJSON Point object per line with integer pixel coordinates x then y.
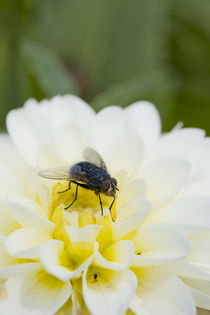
{"type": "Point", "coordinates": [89, 174]}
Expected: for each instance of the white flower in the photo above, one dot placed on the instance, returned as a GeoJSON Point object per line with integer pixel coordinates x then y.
{"type": "Point", "coordinates": [153, 259]}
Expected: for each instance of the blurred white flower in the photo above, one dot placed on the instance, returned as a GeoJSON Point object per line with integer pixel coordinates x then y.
{"type": "Point", "coordinates": [153, 259]}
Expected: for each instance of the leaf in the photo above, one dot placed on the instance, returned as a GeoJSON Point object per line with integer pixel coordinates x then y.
{"type": "Point", "coordinates": [47, 69]}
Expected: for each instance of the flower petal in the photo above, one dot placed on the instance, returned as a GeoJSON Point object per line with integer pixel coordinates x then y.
{"type": "Point", "coordinates": [11, 266]}
{"type": "Point", "coordinates": [161, 293]}
{"type": "Point", "coordinates": [87, 233]}
{"type": "Point", "coordinates": [62, 109]}
{"type": "Point", "coordinates": [24, 243]}
{"type": "Point", "coordinates": [199, 254]}
{"type": "Point", "coordinates": [69, 136]}
{"type": "Point", "coordinates": [158, 245]}
{"type": "Point", "coordinates": [103, 127]}
{"type": "Point", "coordinates": [188, 143]}
{"type": "Point", "coordinates": [29, 214]}
{"type": "Point", "coordinates": [20, 175]}
{"type": "Point", "coordinates": [200, 290]}
{"type": "Point", "coordinates": [134, 206]}
{"type": "Point", "coordinates": [28, 130]}
{"type": "Point", "coordinates": [116, 257]}
{"type": "Point", "coordinates": [131, 190]}
{"type": "Point", "coordinates": [15, 270]}
{"type": "Point", "coordinates": [125, 157]}
{"type": "Point", "coordinates": [111, 293]}
{"type": "Point", "coordinates": [7, 153]}
{"type": "Point", "coordinates": [9, 182]}
{"type": "Point", "coordinates": [144, 119]}
{"type": "Point", "coordinates": [188, 270]}
{"type": "Point", "coordinates": [190, 211]}
{"type": "Point", "coordinates": [130, 224]}
{"type": "Point", "coordinates": [7, 222]}
{"type": "Point", "coordinates": [81, 243]}
{"type": "Point", "coordinates": [165, 176]}
{"type": "Point", "coordinates": [38, 293]}
{"type": "Point", "coordinates": [54, 259]}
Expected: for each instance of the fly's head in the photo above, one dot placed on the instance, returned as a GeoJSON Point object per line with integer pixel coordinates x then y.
{"type": "Point", "coordinates": [109, 187]}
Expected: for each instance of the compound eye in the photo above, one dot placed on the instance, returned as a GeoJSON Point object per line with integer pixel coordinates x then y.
{"type": "Point", "coordinates": [106, 185]}
{"type": "Point", "coordinates": [114, 181]}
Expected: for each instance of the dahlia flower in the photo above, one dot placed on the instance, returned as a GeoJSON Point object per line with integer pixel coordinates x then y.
{"type": "Point", "coordinates": [151, 258]}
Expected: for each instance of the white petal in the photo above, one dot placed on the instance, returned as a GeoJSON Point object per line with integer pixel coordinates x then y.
{"type": "Point", "coordinates": [48, 157]}
{"type": "Point", "coordinates": [158, 245]}
{"type": "Point", "coordinates": [161, 293]}
{"type": "Point", "coordinates": [111, 294]}
{"type": "Point", "coordinates": [36, 294]}
{"type": "Point", "coordinates": [28, 130]}
{"type": "Point", "coordinates": [15, 270]}
{"type": "Point", "coordinates": [20, 174]}
{"type": "Point", "coordinates": [190, 211]}
{"type": "Point", "coordinates": [123, 227]}
{"type": "Point", "coordinates": [7, 222]}
{"type": "Point", "coordinates": [103, 127]}
{"type": "Point", "coordinates": [50, 254]}
{"type": "Point", "coordinates": [188, 143]}
{"type": "Point", "coordinates": [87, 233]}
{"type": "Point", "coordinates": [71, 218]}
{"type": "Point", "coordinates": [29, 214]}
{"type": "Point", "coordinates": [62, 109]}
{"type": "Point", "coordinates": [24, 243]}
{"type": "Point", "coordinates": [4, 138]}
{"type": "Point", "coordinates": [134, 206]}
{"type": "Point", "coordinates": [195, 187]}
{"type": "Point", "coordinates": [165, 176]}
{"type": "Point", "coordinates": [188, 270]}
{"type": "Point", "coordinates": [11, 304]}
{"type": "Point", "coordinates": [125, 157]}
{"type": "Point", "coordinates": [144, 120]}
{"type": "Point", "coordinates": [11, 266]}
{"type": "Point", "coordinates": [9, 182]}
{"type": "Point", "coordinates": [116, 257]}
{"type": "Point", "coordinates": [70, 143]}
{"type": "Point", "coordinates": [7, 153]}
{"type": "Point", "coordinates": [131, 190]}
{"type": "Point", "coordinates": [199, 254]}
{"type": "Point", "coordinates": [200, 290]}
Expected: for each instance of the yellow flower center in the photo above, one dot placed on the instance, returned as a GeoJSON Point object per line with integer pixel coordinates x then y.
{"type": "Point", "coordinates": [86, 205]}
{"type": "Point", "coordinates": [85, 211]}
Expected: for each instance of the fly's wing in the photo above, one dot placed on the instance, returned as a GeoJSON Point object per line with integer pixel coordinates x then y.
{"type": "Point", "coordinates": [92, 156]}
{"type": "Point", "coordinates": [59, 173]}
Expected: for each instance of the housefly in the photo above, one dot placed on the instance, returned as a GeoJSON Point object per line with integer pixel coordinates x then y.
{"type": "Point", "coordinates": [89, 174]}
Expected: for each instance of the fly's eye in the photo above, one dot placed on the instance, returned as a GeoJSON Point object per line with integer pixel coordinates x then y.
{"type": "Point", "coordinates": [114, 181]}
{"type": "Point", "coordinates": [106, 185]}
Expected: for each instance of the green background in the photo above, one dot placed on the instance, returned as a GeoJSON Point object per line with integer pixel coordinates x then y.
{"type": "Point", "coordinates": [109, 52]}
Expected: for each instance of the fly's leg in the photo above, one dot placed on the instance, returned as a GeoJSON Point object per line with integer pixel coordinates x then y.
{"type": "Point", "coordinates": [99, 196]}
{"type": "Point", "coordinates": [60, 192]}
{"type": "Point", "coordinates": [110, 208]}
{"type": "Point", "coordinates": [75, 198]}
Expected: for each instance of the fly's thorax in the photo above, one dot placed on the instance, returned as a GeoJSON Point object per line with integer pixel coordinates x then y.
{"type": "Point", "coordinates": [89, 173]}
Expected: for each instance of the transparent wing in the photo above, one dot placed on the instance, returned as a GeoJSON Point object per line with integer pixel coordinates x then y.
{"type": "Point", "coordinates": [59, 173]}
{"type": "Point", "coordinates": [90, 155]}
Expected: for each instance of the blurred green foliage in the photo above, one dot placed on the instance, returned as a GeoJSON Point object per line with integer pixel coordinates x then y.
{"type": "Point", "coordinates": [109, 52]}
